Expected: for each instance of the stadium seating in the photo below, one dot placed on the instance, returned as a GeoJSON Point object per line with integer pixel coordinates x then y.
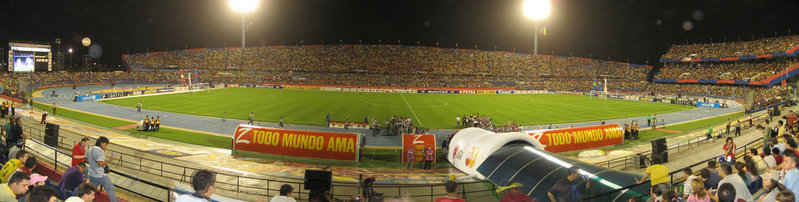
{"type": "Point", "coordinates": [732, 49]}
{"type": "Point", "coordinates": [741, 71]}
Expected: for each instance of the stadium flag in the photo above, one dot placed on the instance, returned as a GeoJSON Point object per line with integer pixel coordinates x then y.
{"type": "Point", "coordinates": [195, 76]}
{"type": "Point", "coordinates": [595, 84]}
{"type": "Point", "coordinates": [182, 80]}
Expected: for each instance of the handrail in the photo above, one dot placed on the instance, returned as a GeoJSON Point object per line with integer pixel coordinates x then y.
{"type": "Point", "coordinates": [679, 144]}
{"type": "Point", "coordinates": [136, 162]}
{"type": "Point", "coordinates": [671, 174]}
{"type": "Point", "coordinates": [56, 162]}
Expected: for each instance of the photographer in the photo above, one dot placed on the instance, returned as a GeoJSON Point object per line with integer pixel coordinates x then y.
{"type": "Point", "coordinates": [97, 171]}
{"type": "Point", "coordinates": [571, 188]}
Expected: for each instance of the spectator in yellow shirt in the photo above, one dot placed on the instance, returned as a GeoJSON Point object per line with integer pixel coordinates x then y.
{"type": "Point", "coordinates": [658, 173]}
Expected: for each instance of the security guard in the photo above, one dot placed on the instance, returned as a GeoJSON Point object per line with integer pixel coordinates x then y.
{"type": "Point", "coordinates": [157, 123]}
{"type": "Point", "coordinates": [146, 123]}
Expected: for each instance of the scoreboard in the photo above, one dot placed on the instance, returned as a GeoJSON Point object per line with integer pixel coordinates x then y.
{"type": "Point", "coordinates": [28, 57]}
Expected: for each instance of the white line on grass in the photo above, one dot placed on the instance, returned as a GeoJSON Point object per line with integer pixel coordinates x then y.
{"type": "Point", "coordinates": [414, 113]}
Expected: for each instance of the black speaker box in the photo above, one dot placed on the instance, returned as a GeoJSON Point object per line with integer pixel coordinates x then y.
{"type": "Point", "coordinates": [318, 180]}
{"type": "Point", "coordinates": [51, 134]}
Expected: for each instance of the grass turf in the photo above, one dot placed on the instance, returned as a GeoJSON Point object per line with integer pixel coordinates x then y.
{"type": "Point", "coordinates": [433, 111]}
{"type": "Point", "coordinates": [164, 133]}
{"type": "Point", "coordinates": [647, 135]}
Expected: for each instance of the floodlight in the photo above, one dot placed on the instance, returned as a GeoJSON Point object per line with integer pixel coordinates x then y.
{"type": "Point", "coordinates": [243, 6]}
{"type": "Point", "coordinates": [536, 9]}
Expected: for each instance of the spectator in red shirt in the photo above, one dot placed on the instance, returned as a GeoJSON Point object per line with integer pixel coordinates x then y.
{"type": "Point", "coordinates": [79, 151]}
{"type": "Point", "coordinates": [513, 195]}
{"type": "Point", "coordinates": [452, 193]}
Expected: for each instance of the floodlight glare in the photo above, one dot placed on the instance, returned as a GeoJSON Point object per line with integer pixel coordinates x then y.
{"type": "Point", "coordinates": [536, 9]}
{"type": "Point", "coordinates": [243, 6]}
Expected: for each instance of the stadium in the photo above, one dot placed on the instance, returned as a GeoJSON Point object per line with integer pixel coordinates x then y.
{"type": "Point", "coordinates": [220, 101]}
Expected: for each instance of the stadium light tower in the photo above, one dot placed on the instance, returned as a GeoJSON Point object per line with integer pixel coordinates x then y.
{"type": "Point", "coordinates": [536, 10]}
{"type": "Point", "coordinates": [244, 7]}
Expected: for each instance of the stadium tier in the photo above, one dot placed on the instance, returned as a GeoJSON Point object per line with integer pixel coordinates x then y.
{"type": "Point", "coordinates": [737, 71]}
{"type": "Point", "coordinates": [732, 50]}
{"type": "Point", "coordinates": [384, 59]}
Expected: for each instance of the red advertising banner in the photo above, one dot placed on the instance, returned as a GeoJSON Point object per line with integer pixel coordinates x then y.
{"type": "Point", "coordinates": [299, 143]}
{"type": "Point", "coordinates": [570, 139]}
{"type": "Point", "coordinates": [413, 147]}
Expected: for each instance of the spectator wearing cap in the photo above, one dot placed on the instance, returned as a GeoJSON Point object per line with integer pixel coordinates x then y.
{"type": "Point", "coordinates": [285, 194]}
{"type": "Point", "coordinates": [204, 184]}
{"type": "Point", "coordinates": [84, 193]}
{"type": "Point", "coordinates": [72, 177]}
{"type": "Point", "coordinates": [12, 165]}
{"type": "Point", "coordinates": [36, 181]}
{"type": "Point", "coordinates": [17, 185]}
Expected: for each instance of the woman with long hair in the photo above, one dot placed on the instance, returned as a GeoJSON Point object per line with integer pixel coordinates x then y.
{"type": "Point", "coordinates": [700, 194]}
{"type": "Point", "coordinates": [729, 150]}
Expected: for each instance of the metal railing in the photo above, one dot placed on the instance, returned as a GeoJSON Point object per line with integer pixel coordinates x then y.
{"type": "Point", "coordinates": [245, 187]}
{"type": "Point", "coordinates": [56, 163]}
{"type": "Point", "coordinates": [627, 161]}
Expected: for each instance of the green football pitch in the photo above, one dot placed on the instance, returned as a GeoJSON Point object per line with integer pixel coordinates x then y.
{"type": "Point", "coordinates": [433, 111]}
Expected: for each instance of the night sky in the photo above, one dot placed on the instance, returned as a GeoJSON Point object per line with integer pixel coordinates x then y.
{"type": "Point", "coordinates": [625, 30]}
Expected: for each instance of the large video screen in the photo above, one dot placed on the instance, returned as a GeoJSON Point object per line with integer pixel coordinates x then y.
{"type": "Point", "coordinates": [24, 61]}
{"type": "Point", "coordinates": [29, 57]}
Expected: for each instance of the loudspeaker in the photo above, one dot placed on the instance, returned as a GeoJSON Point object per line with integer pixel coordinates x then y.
{"type": "Point", "coordinates": [51, 134]}
{"type": "Point", "coordinates": [659, 145]}
{"type": "Point", "coordinates": [318, 180]}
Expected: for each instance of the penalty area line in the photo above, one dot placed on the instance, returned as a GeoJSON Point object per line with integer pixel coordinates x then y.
{"type": "Point", "coordinates": [409, 107]}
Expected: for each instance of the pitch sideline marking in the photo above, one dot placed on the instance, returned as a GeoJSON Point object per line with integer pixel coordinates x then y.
{"type": "Point", "coordinates": [409, 107]}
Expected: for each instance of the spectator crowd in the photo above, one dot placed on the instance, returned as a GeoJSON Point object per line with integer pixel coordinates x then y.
{"type": "Point", "coordinates": [733, 49]}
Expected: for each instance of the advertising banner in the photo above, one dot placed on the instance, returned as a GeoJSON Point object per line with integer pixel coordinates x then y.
{"type": "Point", "coordinates": [570, 139]}
{"type": "Point", "coordinates": [299, 143]}
{"type": "Point", "coordinates": [413, 146]}
{"type": "Point", "coordinates": [89, 97]}
{"type": "Point", "coordinates": [708, 104]}
{"type": "Point", "coordinates": [166, 90]}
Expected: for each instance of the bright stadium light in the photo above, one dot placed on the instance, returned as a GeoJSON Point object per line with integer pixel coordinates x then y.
{"type": "Point", "coordinates": [243, 6]}
{"type": "Point", "coordinates": [536, 9]}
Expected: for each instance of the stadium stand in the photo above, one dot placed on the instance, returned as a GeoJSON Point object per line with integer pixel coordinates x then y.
{"type": "Point", "coordinates": [732, 49]}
